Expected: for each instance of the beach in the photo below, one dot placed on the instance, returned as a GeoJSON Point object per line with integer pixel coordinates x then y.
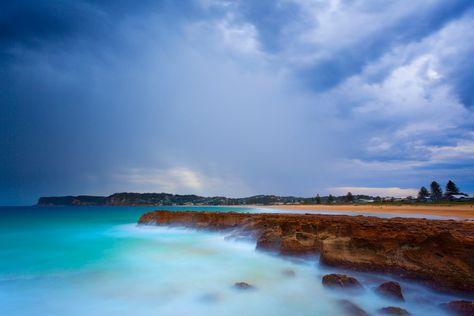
{"type": "Point", "coordinates": [463, 211]}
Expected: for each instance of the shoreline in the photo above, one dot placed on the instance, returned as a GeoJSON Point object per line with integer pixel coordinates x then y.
{"type": "Point", "coordinates": [436, 253]}
{"type": "Point", "coordinates": [460, 211]}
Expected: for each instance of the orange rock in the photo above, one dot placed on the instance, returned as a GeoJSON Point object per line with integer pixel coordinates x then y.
{"type": "Point", "coordinates": [351, 309]}
{"type": "Point", "coordinates": [341, 281]}
{"type": "Point", "coordinates": [461, 308]}
{"type": "Point", "coordinates": [391, 310]}
{"type": "Point", "coordinates": [391, 290]}
{"type": "Point", "coordinates": [437, 253]}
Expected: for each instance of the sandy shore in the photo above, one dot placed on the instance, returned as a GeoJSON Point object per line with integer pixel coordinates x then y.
{"type": "Point", "coordinates": [461, 211]}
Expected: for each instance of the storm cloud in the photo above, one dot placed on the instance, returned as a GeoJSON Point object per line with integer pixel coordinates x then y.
{"type": "Point", "coordinates": [234, 97]}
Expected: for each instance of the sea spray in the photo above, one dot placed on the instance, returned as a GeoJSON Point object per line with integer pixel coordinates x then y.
{"type": "Point", "coordinates": [97, 261]}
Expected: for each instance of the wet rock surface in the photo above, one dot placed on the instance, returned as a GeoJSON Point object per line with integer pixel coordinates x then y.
{"type": "Point", "coordinates": [391, 290]}
{"type": "Point", "coordinates": [437, 253]}
{"type": "Point", "coordinates": [288, 273]}
{"type": "Point", "coordinates": [210, 298]}
{"type": "Point", "coordinates": [351, 309]}
{"type": "Point", "coordinates": [341, 281]}
{"type": "Point", "coordinates": [243, 286]}
{"type": "Point", "coordinates": [461, 308]}
{"type": "Point", "coordinates": [391, 310]}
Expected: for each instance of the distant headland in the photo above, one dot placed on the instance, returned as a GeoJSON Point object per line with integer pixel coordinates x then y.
{"type": "Point", "coordinates": [168, 199]}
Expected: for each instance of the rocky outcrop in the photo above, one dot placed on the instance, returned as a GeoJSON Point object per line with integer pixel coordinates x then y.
{"type": "Point", "coordinates": [340, 281]}
{"type": "Point", "coordinates": [351, 309]}
{"type": "Point", "coordinates": [438, 253]}
{"type": "Point", "coordinates": [391, 310]}
{"type": "Point", "coordinates": [243, 286]}
{"type": "Point", "coordinates": [391, 290]}
{"type": "Point", "coordinates": [288, 273]}
{"type": "Point", "coordinates": [167, 199]}
{"type": "Point", "coordinates": [461, 308]}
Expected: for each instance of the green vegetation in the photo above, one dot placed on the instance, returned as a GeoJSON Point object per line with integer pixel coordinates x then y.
{"type": "Point", "coordinates": [436, 192]}
{"type": "Point", "coordinates": [317, 200]}
{"type": "Point", "coordinates": [330, 199]}
{"type": "Point", "coordinates": [451, 194]}
{"type": "Point", "coordinates": [435, 195]}
{"type": "Point", "coordinates": [451, 189]}
{"type": "Point", "coordinates": [423, 194]}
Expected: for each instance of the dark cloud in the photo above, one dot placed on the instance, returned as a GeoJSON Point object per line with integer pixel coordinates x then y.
{"type": "Point", "coordinates": [37, 23]}
{"type": "Point", "coordinates": [224, 98]}
{"type": "Point", "coordinates": [329, 72]}
{"type": "Point", "coordinates": [33, 22]}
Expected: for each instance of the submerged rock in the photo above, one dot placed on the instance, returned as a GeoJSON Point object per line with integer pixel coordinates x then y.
{"type": "Point", "coordinates": [351, 309]}
{"type": "Point", "coordinates": [391, 290]}
{"type": "Point", "coordinates": [288, 272]}
{"type": "Point", "coordinates": [210, 298]}
{"type": "Point", "coordinates": [461, 308]}
{"type": "Point", "coordinates": [436, 252]}
{"type": "Point", "coordinates": [392, 310]}
{"type": "Point", "coordinates": [243, 286]}
{"type": "Point", "coordinates": [341, 281]}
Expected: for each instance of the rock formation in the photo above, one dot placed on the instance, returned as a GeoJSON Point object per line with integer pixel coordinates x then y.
{"type": "Point", "coordinates": [288, 273]}
{"type": "Point", "coordinates": [243, 286]}
{"type": "Point", "coordinates": [351, 309]}
{"type": "Point", "coordinates": [391, 290]}
{"type": "Point", "coordinates": [341, 281]}
{"type": "Point", "coordinates": [461, 308]}
{"type": "Point", "coordinates": [438, 253]}
{"type": "Point", "coordinates": [391, 310]}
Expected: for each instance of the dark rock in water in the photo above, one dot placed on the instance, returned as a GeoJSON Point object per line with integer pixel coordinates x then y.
{"type": "Point", "coordinates": [436, 252]}
{"type": "Point", "coordinates": [391, 310]}
{"type": "Point", "coordinates": [341, 281]}
{"type": "Point", "coordinates": [461, 308]}
{"type": "Point", "coordinates": [243, 286]}
{"type": "Point", "coordinates": [210, 298]}
{"type": "Point", "coordinates": [351, 309]}
{"type": "Point", "coordinates": [288, 273]}
{"type": "Point", "coordinates": [391, 290]}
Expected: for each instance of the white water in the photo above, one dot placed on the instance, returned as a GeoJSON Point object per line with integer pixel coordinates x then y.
{"type": "Point", "coordinates": [87, 262]}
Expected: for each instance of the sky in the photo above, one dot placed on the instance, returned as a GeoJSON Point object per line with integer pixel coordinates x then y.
{"type": "Point", "coordinates": [235, 98]}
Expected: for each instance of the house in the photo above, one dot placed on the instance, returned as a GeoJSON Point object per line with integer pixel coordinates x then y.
{"type": "Point", "coordinates": [459, 197]}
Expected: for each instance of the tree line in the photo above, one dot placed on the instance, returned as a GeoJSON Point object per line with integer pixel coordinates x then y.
{"type": "Point", "coordinates": [436, 193]}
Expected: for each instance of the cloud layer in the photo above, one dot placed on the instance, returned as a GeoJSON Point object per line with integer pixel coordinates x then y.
{"type": "Point", "coordinates": [234, 97]}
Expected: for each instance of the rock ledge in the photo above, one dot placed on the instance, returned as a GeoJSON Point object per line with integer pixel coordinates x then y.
{"type": "Point", "coordinates": [437, 253]}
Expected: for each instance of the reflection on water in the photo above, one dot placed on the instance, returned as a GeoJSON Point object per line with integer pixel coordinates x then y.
{"type": "Point", "coordinates": [98, 262]}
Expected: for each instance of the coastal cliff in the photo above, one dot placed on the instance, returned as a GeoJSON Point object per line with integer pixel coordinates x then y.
{"type": "Point", "coordinates": [120, 199]}
{"type": "Point", "coordinates": [438, 253]}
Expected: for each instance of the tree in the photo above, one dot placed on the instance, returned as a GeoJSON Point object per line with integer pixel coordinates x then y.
{"type": "Point", "coordinates": [423, 194]}
{"type": "Point", "coordinates": [330, 199]}
{"type": "Point", "coordinates": [349, 197]}
{"type": "Point", "coordinates": [318, 199]}
{"type": "Point", "coordinates": [436, 192]}
{"type": "Point", "coordinates": [451, 189]}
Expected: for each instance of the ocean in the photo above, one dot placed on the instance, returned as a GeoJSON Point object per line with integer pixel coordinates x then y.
{"type": "Point", "coordinates": [97, 261]}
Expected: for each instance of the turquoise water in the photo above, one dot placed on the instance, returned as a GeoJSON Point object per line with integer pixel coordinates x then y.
{"type": "Point", "coordinates": [97, 261]}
